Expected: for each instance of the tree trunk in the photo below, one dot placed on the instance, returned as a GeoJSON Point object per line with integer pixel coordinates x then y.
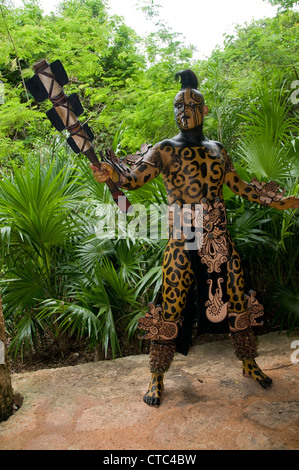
{"type": "Point", "coordinates": [6, 391]}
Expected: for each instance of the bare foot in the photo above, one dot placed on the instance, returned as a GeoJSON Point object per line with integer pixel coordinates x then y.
{"type": "Point", "coordinates": [251, 369]}
{"type": "Point", "coordinates": [153, 395]}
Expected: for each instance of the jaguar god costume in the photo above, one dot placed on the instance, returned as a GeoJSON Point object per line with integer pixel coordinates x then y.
{"type": "Point", "coordinates": [194, 170]}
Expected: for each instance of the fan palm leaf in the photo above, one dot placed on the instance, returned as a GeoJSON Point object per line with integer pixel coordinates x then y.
{"type": "Point", "coordinates": [266, 146]}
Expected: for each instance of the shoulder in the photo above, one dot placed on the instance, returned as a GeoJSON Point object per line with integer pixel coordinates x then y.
{"type": "Point", "coordinates": [218, 146]}
{"type": "Point", "coordinates": [214, 144]}
{"type": "Point", "coordinates": [167, 143]}
{"type": "Point", "coordinates": [212, 147]}
{"type": "Point", "coordinates": [166, 148]}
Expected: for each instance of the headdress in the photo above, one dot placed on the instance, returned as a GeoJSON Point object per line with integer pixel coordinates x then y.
{"type": "Point", "coordinates": [188, 79]}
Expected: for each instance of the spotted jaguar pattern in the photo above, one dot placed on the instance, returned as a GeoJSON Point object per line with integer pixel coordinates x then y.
{"type": "Point", "coordinates": [265, 194]}
{"type": "Point", "coordinates": [177, 278]}
{"type": "Point", "coordinates": [194, 170]}
{"type": "Point", "coordinates": [153, 396]}
{"type": "Point", "coordinates": [191, 175]}
{"type": "Point", "coordinates": [195, 174]}
{"type": "Point", "coordinates": [251, 369]}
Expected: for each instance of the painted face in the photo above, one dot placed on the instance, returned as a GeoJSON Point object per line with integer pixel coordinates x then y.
{"type": "Point", "coordinates": [188, 108]}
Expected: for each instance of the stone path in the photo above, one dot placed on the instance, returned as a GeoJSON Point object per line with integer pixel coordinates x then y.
{"type": "Point", "coordinates": [207, 404]}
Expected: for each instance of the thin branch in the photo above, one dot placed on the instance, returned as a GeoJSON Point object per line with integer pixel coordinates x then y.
{"type": "Point", "coordinates": [16, 53]}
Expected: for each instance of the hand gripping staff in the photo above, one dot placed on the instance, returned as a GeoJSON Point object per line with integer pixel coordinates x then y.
{"type": "Point", "coordinates": [47, 83]}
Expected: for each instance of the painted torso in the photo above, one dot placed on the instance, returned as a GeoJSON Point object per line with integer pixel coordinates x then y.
{"type": "Point", "coordinates": [192, 172]}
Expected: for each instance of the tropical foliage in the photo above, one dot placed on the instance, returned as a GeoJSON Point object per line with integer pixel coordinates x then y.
{"type": "Point", "coordinates": [59, 277]}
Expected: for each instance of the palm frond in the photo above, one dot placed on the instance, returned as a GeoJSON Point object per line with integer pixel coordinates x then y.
{"type": "Point", "coordinates": [71, 318]}
{"type": "Point", "coordinates": [27, 331]}
{"type": "Point", "coordinates": [266, 141]}
{"type": "Point", "coordinates": [152, 279]}
{"type": "Point", "coordinates": [246, 228]}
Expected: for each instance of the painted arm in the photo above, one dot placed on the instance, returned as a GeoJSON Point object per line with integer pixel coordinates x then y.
{"type": "Point", "coordinates": [266, 194]}
{"type": "Point", "coordinates": [144, 169]}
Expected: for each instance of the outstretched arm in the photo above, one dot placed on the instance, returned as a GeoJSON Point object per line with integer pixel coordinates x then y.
{"type": "Point", "coordinates": [266, 194]}
{"type": "Point", "coordinates": [143, 170]}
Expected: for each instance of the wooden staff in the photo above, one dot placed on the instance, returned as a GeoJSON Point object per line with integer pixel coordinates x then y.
{"type": "Point", "coordinates": [63, 115]}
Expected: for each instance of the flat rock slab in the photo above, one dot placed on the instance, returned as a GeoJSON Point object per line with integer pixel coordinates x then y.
{"type": "Point", "coordinates": [207, 404]}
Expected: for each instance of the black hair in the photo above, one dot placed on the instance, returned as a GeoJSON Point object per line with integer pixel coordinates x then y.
{"type": "Point", "coordinates": [188, 79]}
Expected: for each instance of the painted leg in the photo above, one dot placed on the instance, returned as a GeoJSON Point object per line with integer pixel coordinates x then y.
{"type": "Point", "coordinates": [161, 356]}
{"type": "Point", "coordinates": [162, 322]}
{"type": "Point", "coordinates": [155, 389]}
{"type": "Point", "coordinates": [251, 369]}
{"type": "Point", "coordinates": [245, 349]}
{"type": "Point", "coordinates": [243, 313]}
